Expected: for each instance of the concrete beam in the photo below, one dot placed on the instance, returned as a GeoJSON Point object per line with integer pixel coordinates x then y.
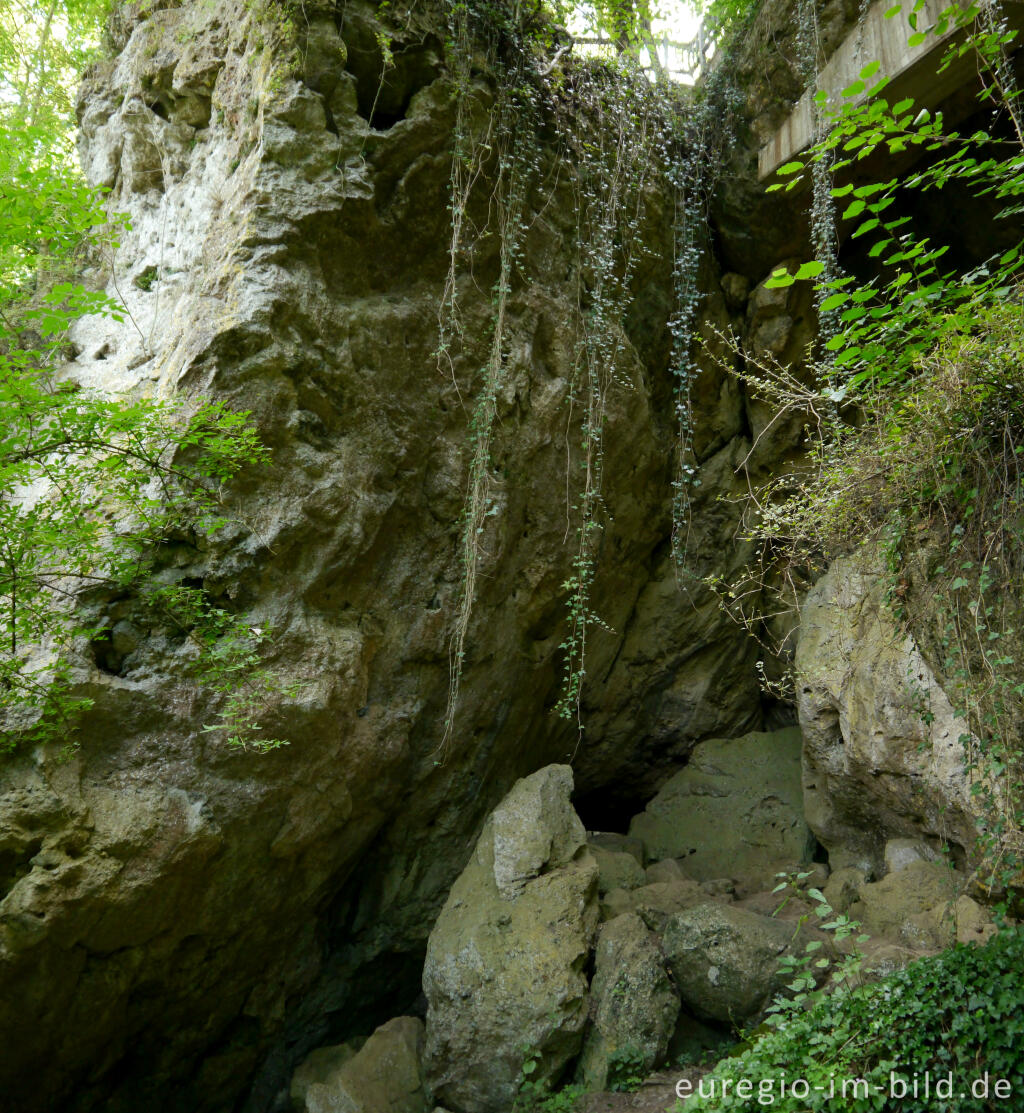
{"type": "Point", "coordinates": [912, 72]}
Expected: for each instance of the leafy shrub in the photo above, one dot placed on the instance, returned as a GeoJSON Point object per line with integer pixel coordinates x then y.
{"type": "Point", "coordinates": [958, 1014]}
{"type": "Point", "coordinates": [911, 405]}
{"type": "Point", "coordinates": [626, 1069]}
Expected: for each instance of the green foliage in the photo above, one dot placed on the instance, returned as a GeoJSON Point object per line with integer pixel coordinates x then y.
{"type": "Point", "coordinates": [539, 1097]}
{"type": "Point", "coordinates": [728, 16]}
{"type": "Point", "coordinates": [612, 125]}
{"type": "Point", "coordinates": [226, 663]}
{"type": "Point", "coordinates": [618, 132]}
{"type": "Point", "coordinates": [821, 966]}
{"type": "Point", "coordinates": [90, 486]}
{"type": "Point", "coordinates": [960, 1013]}
{"type": "Point", "coordinates": [509, 131]}
{"type": "Point", "coordinates": [703, 129]}
{"type": "Point", "coordinates": [44, 46]}
{"type": "Point", "coordinates": [913, 412]}
{"type": "Point", "coordinates": [887, 322]}
{"type": "Point", "coordinates": [626, 1069]}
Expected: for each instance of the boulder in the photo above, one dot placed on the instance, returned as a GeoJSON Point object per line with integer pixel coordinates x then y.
{"type": "Point", "coordinates": [318, 1067]}
{"type": "Point", "coordinates": [725, 961]}
{"type": "Point", "coordinates": [611, 840]}
{"type": "Point", "coordinates": [616, 869]}
{"type": "Point", "coordinates": [972, 922]}
{"type": "Point", "coordinates": [633, 1004]}
{"type": "Point", "coordinates": [882, 752]}
{"type": "Point", "coordinates": [667, 870]}
{"type": "Point", "coordinates": [889, 907]}
{"type": "Point", "coordinates": [297, 256]}
{"type": "Point", "coordinates": [384, 1076]}
{"type": "Point", "coordinates": [721, 888]}
{"type": "Point", "coordinates": [956, 921]}
{"type": "Point", "coordinates": [843, 888]}
{"type": "Point", "coordinates": [654, 904]}
{"type": "Point", "coordinates": [504, 972]}
{"type": "Point", "coordinates": [617, 903]}
{"type": "Point", "coordinates": [735, 810]}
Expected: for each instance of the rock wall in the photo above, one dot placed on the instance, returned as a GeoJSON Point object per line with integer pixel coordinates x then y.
{"type": "Point", "coordinates": [181, 922]}
{"type": "Point", "coordinates": [883, 755]}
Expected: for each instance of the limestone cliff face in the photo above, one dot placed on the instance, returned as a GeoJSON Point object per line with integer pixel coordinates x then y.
{"type": "Point", "coordinates": [180, 922]}
{"type": "Point", "coordinates": [883, 746]}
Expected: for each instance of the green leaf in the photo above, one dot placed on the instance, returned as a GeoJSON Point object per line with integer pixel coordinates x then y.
{"type": "Point", "coordinates": [779, 279]}
{"type": "Point", "coordinates": [833, 301]}
{"type": "Point", "coordinates": [809, 270]}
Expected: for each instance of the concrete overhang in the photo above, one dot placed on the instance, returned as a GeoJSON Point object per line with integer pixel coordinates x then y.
{"type": "Point", "coordinates": [913, 71]}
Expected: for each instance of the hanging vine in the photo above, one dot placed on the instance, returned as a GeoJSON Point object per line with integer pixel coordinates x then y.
{"type": "Point", "coordinates": [612, 130]}
{"type": "Point", "coordinates": [507, 143]}
{"type": "Point", "coordinates": [617, 132]}
{"type": "Point", "coordinates": [700, 138]}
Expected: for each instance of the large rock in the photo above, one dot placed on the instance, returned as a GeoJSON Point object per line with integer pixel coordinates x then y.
{"type": "Point", "coordinates": [633, 1004]}
{"type": "Point", "coordinates": [182, 922]}
{"type": "Point", "coordinates": [616, 869]}
{"type": "Point", "coordinates": [887, 907]}
{"type": "Point", "coordinates": [505, 973]}
{"type": "Point", "coordinates": [882, 749]}
{"type": "Point", "coordinates": [383, 1076]}
{"type": "Point", "coordinates": [725, 960]}
{"type": "Point", "coordinates": [735, 810]}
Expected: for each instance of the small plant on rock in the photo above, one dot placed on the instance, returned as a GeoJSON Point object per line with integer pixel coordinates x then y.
{"type": "Point", "coordinates": [820, 959]}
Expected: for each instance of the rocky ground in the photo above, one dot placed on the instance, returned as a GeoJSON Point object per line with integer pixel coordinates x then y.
{"type": "Point", "coordinates": [625, 962]}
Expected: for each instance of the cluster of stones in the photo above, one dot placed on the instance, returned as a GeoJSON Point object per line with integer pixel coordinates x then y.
{"type": "Point", "coordinates": [562, 954]}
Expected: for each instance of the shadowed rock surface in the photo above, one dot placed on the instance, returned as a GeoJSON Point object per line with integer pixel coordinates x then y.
{"type": "Point", "coordinates": [181, 923]}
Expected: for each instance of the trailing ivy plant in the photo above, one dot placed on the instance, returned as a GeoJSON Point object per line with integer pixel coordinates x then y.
{"type": "Point", "coordinates": [617, 133]}
{"type": "Point", "coordinates": [611, 125]}
{"type": "Point", "coordinates": [956, 1016]}
{"type": "Point", "coordinates": [503, 144]}
{"type": "Point", "coordinates": [699, 136]}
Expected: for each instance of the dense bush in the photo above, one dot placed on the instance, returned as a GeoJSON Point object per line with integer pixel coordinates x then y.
{"type": "Point", "coordinates": [958, 1015]}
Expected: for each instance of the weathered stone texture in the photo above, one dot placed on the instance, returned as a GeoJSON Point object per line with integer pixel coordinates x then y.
{"type": "Point", "coordinates": [634, 1004]}
{"type": "Point", "coordinates": [505, 973]}
{"type": "Point", "coordinates": [882, 749]}
{"type": "Point", "coordinates": [181, 923]}
{"type": "Point", "coordinates": [748, 791]}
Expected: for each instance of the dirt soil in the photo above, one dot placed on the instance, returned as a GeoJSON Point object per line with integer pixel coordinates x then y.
{"type": "Point", "coordinates": [656, 1095]}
